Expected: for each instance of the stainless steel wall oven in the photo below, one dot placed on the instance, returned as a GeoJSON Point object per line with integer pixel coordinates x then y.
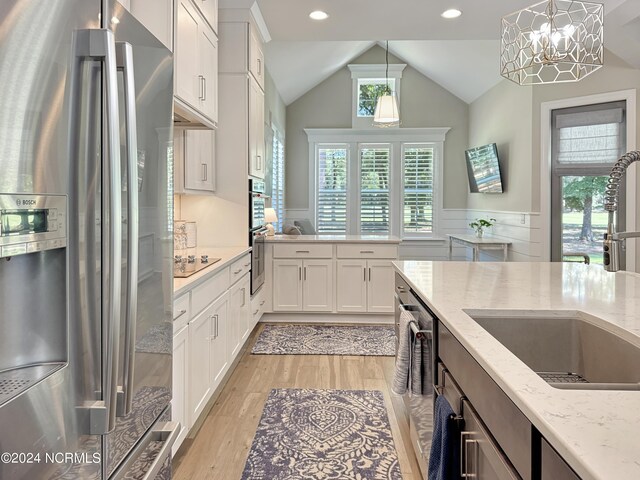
{"type": "Point", "coordinates": [257, 232]}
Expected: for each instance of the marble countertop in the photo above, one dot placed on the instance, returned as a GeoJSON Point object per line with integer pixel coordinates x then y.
{"type": "Point", "coordinates": [334, 239]}
{"type": "Point", "coordinates": [596, 432]}
{"type": "Point", "coordinates": [226, 255]}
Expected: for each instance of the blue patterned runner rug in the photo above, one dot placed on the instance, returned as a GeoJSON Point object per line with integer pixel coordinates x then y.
{"type": "Point", "coordinates": [323, 435]}
{"type": "Point", "coordinates": [326, 340]}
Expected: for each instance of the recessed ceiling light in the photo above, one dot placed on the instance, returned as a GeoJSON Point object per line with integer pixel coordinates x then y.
{"type": "Point", "coordinates": [318, 15]}
{"type": "Point", "coordinates": [451, 13]}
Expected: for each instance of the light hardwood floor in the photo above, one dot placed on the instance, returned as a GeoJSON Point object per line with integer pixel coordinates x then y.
{"type": "Point", "coordinates": [220, 448]}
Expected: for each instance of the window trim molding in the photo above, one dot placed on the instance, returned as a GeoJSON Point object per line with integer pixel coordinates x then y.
{"type": "Point", "coordinates": [545, 163]}
{"type": "Point", "coordinates": [376, 70]}
{"type": "Point", "coordinates": [352, 139]}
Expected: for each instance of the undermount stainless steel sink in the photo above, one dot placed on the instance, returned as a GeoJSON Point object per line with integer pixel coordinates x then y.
{"type": "Point", "coordinates": [566, 349]}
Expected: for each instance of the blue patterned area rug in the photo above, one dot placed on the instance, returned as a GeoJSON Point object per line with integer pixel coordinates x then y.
{"type": "Point", "coordinates": [322, 435]}
{"type": "Point", "coordinates": [326, 340]}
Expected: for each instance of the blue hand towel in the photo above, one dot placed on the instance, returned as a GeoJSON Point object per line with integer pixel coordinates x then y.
{"type": "Point", "coordinates": [444, 457]}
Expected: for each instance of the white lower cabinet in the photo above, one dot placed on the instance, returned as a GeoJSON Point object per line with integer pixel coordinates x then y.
{"type": "Point", "coordinates": [179, 405]}
{"type": "Point", "coordinates": [200, 375]}
{"type": "Point", "coordinates": [287, 285]}
{"type": "Point", "coordinates": [258, 306]}
{"type": "Point", "coordinates": [352, 285]}
{"type": "Point", "coordinates": [365, 286]}
{"type": "Point", "coordinates": [317, 285]}
{"type": "Point", "coordinates": [239, 313]}
{"type": "Point", "coordinates": [206, 345]}
{"type": "Point", "coordinates": [380, 286]}
{"type": "Point", "coordinates": [219, 355]}
{"type": "Point", "coordinates": [303, 285]}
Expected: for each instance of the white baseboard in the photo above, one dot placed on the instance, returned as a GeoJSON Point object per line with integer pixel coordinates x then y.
{"type": "Point", "coordinates": [340, 318]}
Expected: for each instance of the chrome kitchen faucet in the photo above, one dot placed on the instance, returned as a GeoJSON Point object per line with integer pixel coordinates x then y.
{"type": "Point", "coordinates": [614, 241]}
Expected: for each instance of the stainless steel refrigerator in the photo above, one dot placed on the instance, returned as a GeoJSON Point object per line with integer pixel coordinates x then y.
{"type": "Point", "coordinates": [86, 96]}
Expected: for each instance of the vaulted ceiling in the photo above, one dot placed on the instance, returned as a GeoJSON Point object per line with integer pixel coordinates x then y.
{"type": "Point", "coordinates": [462, 55]}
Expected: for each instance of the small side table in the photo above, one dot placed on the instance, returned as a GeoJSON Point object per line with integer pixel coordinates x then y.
{"type": "Point", "coordinates": [477, 244]}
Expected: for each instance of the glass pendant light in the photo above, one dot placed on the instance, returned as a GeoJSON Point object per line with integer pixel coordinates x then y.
{"type": "Point", "coordinates": [387, 113]}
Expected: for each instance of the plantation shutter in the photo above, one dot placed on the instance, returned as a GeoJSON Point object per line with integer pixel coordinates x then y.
{"type": "Point", "coordinates": [332, 190]}
{"type": "Point", "coordinates": [374, 189]}
{"type": "Point", "coordinates": [277, 191]}
{"type": "Point", "coordinates": [417, 189]}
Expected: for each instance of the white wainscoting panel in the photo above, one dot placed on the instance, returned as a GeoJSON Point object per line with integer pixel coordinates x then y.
{"type": "Point", "coordinates": [522, 229]}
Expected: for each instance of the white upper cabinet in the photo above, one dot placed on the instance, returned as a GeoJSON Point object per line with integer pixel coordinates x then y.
{"type": "Point", "coordinates": [242, 108]}
{"type": "Point", "coordinates": [199, 164]}
{"type": "Point", "coordinates": [194, 161]}
{"type": "Point", "coordinates": [187, 62]}
{"type": "Point", "coordinates": [208, 51]}
{"type": "Point", "coordinates": [209, 10]}
{"type": "Point", "coordinates": [242, 50]}
{"type": "Point", "coordinates": [196, 66]}
{"type": "Point", "coordinates": [256, 56]}
{"type": "Point", "coordinates": [257, 167]}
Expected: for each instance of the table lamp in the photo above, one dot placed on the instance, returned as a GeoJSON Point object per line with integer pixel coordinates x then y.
{"type": "Point", "coordinates": [270, 217]}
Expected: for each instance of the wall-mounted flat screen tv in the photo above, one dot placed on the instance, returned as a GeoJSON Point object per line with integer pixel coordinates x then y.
{"type": "Point", "coordinates": [483, 168]}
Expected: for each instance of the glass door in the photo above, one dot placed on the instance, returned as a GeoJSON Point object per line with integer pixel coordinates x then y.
{"type": "Point", "coordinates": [586, 142]}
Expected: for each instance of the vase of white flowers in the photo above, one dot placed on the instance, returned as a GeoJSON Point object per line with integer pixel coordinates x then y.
{"type": "Point", "coordinates": [479, 224]}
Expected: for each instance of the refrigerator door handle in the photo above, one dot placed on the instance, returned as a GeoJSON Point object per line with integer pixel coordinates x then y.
{"type": "Point", "coordinates": [124, 59]}
{"type": "Point", "coordinates": [99, 45]}
{"type": "Point", "coordinates": [167, 433]}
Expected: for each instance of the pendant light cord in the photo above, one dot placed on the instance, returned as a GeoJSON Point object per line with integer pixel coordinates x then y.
{"type": "Point", "coordinates": [387, 69]}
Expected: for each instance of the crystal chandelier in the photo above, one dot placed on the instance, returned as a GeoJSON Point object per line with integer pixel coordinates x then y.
{"type": "Point", "coordinates": [387, 113]}
{"type": "Point", "coordinates": [551, 42]}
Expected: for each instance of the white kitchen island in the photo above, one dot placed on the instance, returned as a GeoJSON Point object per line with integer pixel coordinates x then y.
{"type": "Point", "coordinates": [594, 431]}
{"type": "Point", "coordinates": [330, 278]}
